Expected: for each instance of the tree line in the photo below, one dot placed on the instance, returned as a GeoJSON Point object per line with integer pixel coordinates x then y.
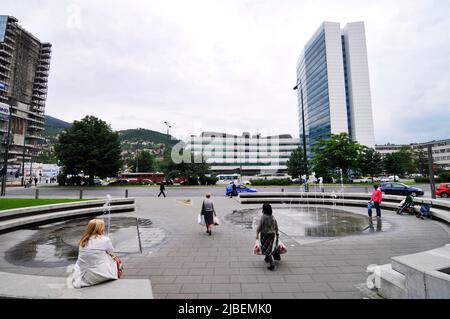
{"type": "Point", "coordinates": [339, 153]}
{"type": "Point", "coordinates": [91, 148]}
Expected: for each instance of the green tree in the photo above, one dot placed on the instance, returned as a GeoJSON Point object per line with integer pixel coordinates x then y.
{"type": "Point", "coordinates": [370, 162]}
{"type": "Point", "coordinates": [144, 162]}
{"type": "Point", "coordinates": [421, 162]}
{"type": "Point", "coordinates": [335, 153]}
{"type": "Point", "coordinates": [296, 164]}
{"type": "Point", "coordinates": [89, 146]}
{"type": "Point", "coordinates": [192, 167]}
{"type": "Point", "coordinates": [400, 162]}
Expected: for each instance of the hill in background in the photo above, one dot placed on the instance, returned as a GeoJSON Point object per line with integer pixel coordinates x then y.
{"type": "Point", "coordinates": [130, 139]}
{"type": "Point", "coordinates": [144, 135]}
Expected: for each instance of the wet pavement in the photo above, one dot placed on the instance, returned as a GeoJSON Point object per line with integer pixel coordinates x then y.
{"type": "Point", "coordinates": [182, 261]}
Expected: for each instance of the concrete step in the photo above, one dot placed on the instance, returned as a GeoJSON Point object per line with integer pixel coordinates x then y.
{"type": "Point", "coordinates": [48, 217]}
{"type": "Point", "coordinates": [42, 287]}
{"type": "Point", "coordinates": [422, 271]}
{"type": "Point", "coordinates": [392, 283]}
{"type": "Point", "coordinates": [43, 209]}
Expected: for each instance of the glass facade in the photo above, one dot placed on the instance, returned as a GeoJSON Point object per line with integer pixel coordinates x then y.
{"type": "Point", "coordinates": [3, 24]}
{"type": "Point", "coordinates": [313, 79]}
{"type": "Point", "coordinates": [347, 96]}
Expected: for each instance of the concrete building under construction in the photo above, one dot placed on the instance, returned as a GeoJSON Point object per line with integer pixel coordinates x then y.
{"type": "Point", "coordinates": [24, 70]}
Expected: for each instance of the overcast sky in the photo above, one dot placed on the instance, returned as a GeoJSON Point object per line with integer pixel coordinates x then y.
{"type": "Point", "coordinates": [229, 65]}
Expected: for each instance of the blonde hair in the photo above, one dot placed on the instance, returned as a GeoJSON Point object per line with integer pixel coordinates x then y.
{"type": "Point", "coordinates": [95, 227]}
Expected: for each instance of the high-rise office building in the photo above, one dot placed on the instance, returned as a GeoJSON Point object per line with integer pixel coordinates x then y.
{"type": "Point", "coordinates": [333, 85]}
{"type": "Point", "coordinates": [24, 70]}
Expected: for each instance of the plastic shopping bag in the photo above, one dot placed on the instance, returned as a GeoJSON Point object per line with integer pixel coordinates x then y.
{"type": "Point", "coordinates": [257, 249]}
{"type": "Point", "coordinates": [281, 248]}
{"type": "Point", "coordinates": [216, 221]}
{"type": "Point", "coordinates": [201, 220]}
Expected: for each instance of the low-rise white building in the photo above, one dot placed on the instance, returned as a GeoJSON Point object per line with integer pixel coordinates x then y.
{"type": "Point", "coordinates": [440, 149]}
{"type": "Point", "coordinates": [246, 154]}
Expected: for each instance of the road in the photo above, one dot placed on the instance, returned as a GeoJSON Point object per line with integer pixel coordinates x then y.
{"type": "Point", "coordinates": [177, 191]}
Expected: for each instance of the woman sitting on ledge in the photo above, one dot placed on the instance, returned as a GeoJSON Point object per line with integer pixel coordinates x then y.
{"type": "Point", "coordinates": [94, 264]}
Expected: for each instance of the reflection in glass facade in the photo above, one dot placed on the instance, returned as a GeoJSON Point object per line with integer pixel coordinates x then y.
{"type": "Point", "coordinates": [313, 76]}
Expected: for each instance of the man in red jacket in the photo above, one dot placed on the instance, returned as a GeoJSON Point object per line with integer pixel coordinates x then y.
{"type": "Point", "coordinates": [376, 200]}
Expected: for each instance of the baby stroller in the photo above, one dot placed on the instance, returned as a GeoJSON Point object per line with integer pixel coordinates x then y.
{"type": "Point", "coordinates": [406, 205]}
{"type": "Point", "coordinates": [425, 211]}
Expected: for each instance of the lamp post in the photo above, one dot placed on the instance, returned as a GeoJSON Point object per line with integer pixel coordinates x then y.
{"type": "Point", "coordinates": [5, 160]}
{"type": "Point", "coordinates": [305, 158]}
{"type": "Point", "coordinates": [168, 127]}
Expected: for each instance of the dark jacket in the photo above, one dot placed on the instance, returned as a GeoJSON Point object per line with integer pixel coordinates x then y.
{"type": "Point", "coordinates": [162, 187]}
{"type": "Point", "coordinates": [268, 225]}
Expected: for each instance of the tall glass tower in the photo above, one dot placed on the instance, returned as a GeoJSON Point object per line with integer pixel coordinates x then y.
{"type": "Point", "coordinates": [333, 81]}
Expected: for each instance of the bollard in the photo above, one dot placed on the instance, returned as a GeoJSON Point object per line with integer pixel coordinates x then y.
{"type": "Point", "coordinates": [81, 194]}
{"type": "Point", "coordinates": [126, 193]}
{"type": "Point", "coordinates": [367, 190]}
{"type": "Point", "coordinates": [36, 194]}
{"type": "Point", "coordinates": [282, 190]}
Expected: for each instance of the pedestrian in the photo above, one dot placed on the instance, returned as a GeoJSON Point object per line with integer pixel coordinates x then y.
{"type": "Point", "coordinates": [233, 190]}
{"type": "Point", "coordinates": [95, 263]}
{"type": "Point", "coordinates": [208, 213]}
{"type": "Point", "coordinates": [268, 231]}
{"type": "Point", "coordinates": [35, 181]}
{"type": "Point", "coordinates": [375, 201]}
{"type": "Point", "coordinates": [162, 188]}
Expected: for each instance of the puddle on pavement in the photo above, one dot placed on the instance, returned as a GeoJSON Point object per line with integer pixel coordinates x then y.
{"type": "Point", "coordinates": [56, 245]}
{"type": "Point", "coordinates": [312, 222]}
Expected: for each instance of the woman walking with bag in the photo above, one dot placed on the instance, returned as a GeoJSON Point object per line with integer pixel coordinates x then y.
{"type": "Point", "coordinates": [208, 213]}
{"type": "Point", "coordinates": [268, 228]}
{"type": "Point", "coordinates": [95, 263]}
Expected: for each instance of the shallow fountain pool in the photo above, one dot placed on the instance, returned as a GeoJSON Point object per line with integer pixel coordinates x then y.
{"type": "Point", "coordinates": [303, 222]}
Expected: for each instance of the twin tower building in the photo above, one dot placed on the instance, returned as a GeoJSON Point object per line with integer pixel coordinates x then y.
{"type": "Point", "coordinates": [333, 85]}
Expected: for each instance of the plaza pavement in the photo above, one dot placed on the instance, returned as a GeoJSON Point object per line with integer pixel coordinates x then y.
{"type": "Point", "coordinates": [191, 264]}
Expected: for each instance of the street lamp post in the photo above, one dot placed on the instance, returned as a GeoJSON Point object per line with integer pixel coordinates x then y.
{"type": "Point", "coordinates": [305, 158]}
{"type": "Point", "coordinates": [5, 160]}
{"type": "Point", "coordinates": [168, 127]}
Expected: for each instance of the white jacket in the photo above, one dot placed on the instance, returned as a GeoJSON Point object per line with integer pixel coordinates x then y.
{"type": "Point", "coordinates": [94, 265]}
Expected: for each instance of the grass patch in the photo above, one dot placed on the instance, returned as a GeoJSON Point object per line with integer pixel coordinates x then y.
{"type": "Point", "coordinates": [11, 203]}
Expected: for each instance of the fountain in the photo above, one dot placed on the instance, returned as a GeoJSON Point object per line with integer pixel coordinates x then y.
{"type": "Point", "coordinates": [107, 210]}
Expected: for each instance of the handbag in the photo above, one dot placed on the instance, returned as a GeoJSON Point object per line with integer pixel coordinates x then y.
{"type": "Point", "coordinates": [216, 221]}
{"type": "Point", "coordinates": [201, 220]}
{"type": "Point", "coordinates": [119, 264]}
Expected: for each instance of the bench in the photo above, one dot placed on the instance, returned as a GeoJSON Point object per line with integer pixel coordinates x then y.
{"type": "Point", "coordinates": [43, 287]}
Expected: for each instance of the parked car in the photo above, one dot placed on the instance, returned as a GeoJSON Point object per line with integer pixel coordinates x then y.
{"type": "Point", "coordinates": [118, 182]}
{"type": "Point", "coordinates": [98, 182]}
{"type": "Point", "coordinates": [443, 190]}
{"type": "Point", "coordinates": [400, 189]}
{"type": "Point", "coordinates": [240, 189]}
{"type": "Point", "coordinates": [383, 179]}
{"type": "Point", "coordinates": [148, 182]}
{"type": "Point", "coordinates": [393, 178]}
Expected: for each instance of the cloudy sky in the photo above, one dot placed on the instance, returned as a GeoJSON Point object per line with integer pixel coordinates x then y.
{"type": "Point", "coordinates": [229, 65]}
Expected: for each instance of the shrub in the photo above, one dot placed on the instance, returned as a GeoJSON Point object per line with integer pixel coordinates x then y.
{"type": "Point", "coordinates": [271, 182]}
{"type": "Point", "coordinates": [62, 179]}
{"type": "Point", "coordinates": [421, 180]}
{"type": "Point", "coordinates": [444, 177]}
{"type": "Point", "coordinates": [191, 181]}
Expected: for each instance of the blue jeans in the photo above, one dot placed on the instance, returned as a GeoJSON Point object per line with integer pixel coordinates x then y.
{"type": "Point", "coordinates": [378, 209]}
